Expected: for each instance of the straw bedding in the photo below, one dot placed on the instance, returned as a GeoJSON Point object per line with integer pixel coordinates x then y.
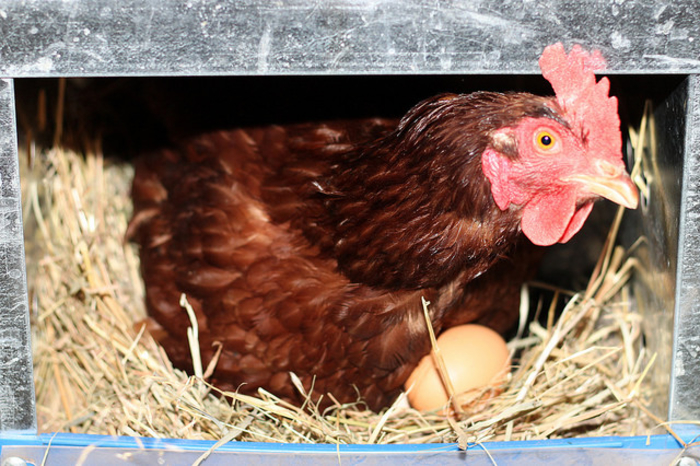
{"type": "Point", "coordinates": [98, 371]}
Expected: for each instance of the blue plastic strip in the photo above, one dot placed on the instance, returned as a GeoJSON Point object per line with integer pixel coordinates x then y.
{"type": "Point", "coordinates": [654, 442]}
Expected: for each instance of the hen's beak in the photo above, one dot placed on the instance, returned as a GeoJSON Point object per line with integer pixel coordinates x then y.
{"type": "Point", "coordinates": [611, 183]}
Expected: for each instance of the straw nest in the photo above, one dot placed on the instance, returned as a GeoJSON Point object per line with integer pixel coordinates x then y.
{"type": "Point", "coordinates": [98, 371]}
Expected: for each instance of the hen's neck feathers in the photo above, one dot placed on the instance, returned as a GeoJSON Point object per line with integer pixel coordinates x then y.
{"type": "Point", "coordinates": [413, 209]}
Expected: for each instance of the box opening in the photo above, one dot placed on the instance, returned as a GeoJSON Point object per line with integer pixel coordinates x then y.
{"type": "Point", "coordinates": [141, 114]}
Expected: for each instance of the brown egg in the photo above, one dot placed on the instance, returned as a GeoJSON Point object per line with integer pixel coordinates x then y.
{"type": "Point", "coordinates": [475, 357]}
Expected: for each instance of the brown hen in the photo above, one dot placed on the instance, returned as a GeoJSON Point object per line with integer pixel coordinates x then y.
{"type": "Point", "coordinates": [307, 248]}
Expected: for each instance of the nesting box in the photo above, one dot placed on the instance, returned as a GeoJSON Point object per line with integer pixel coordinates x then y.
{"type": "Point", "coordinates": [650, 50]}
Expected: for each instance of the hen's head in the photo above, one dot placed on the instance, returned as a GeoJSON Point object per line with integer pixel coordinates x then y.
{"type": "Point", "coordinates": [554, 168]}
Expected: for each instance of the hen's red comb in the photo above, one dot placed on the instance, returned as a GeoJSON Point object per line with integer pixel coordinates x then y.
{"type": "Point", "coordinates": [587, 106]}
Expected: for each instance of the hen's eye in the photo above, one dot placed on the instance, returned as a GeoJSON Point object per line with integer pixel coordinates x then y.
{"type": "Point", "coordinates": [545, 140]}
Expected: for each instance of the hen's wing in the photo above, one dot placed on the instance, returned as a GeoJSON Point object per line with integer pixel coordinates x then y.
{"type": "Point", "coordinates": [258, 287]}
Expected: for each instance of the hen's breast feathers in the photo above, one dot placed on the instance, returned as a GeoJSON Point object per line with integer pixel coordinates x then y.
{"type": "Point", "coordinates": [303, 250]}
